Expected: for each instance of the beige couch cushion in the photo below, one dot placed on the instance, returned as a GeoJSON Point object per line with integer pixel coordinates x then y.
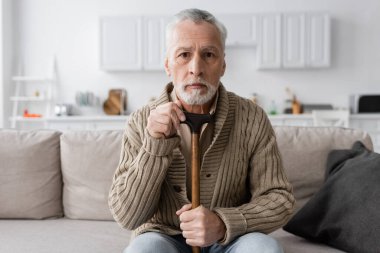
{"type": "Point", "coordinates": [62, 236]}
{"type": "Point", "coordinates": [30, 175]}
{"type": "Point", "coordinates": [89, 160]}
{"type": "Point", "coordinates": [304, 152]}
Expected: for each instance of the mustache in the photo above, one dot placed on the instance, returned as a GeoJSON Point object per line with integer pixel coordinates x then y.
{"type": "Point", "coordinates": [196, 81]}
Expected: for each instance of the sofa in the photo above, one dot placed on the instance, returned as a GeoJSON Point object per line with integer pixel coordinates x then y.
{"type": "Point", "coordinates": [54, 186]}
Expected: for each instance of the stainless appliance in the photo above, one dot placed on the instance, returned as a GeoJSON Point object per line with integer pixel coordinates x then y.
{"type": "Point", "coordinates": [63, 109]}
{"type": "Point", "coordinates": [365, 103]}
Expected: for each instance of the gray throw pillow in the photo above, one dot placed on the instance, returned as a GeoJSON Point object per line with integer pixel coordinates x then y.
{"type": "Point", "coordinates": [344, 213]}
{"type": "Point", "coordinates": [30, 174]}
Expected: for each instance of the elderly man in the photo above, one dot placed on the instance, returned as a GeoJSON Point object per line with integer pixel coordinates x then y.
{"type": "Point", "coordinates": [244, 191]}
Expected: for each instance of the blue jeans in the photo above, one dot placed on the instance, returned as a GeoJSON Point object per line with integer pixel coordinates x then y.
{"type": "Point", "coordinates": [153, 242]}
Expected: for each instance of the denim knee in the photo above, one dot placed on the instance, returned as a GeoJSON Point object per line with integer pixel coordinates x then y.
{"type": "Point", "coordinates": [152, 242]}
{"type": "Point", "coordinates": [255, 242]}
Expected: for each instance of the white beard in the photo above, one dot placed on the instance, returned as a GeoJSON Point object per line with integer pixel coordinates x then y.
{"type": "Point", "coordinates": [195, 97]}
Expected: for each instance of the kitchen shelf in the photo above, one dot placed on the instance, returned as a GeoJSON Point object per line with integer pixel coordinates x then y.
{"type": "Point", "coordinates": [31, 99]}
{"type": "Point", "coordinates": [23, 100]}
{"type": "Point", "coordinates": [26, 119]}
{"type": "Point", "coordinates": [32, 79]}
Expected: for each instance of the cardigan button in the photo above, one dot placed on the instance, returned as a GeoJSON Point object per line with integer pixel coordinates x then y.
{"type": "Point", "coordinates": [177, 188]}
{"type": "Point", "coordinates": [208, 175]}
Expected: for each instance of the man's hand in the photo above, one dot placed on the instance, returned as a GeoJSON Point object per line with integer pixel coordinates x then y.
{"type": "Point", "coordinates": [200, 226]}
{"type": "Point", "coordinates": [164, 121]}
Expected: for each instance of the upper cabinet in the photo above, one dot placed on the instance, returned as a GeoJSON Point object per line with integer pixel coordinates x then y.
{"type": "Point", "coordinates": [269, 46]}
{"type": "Point", "coordinates": [283, 40]}
{"type": "Point", "coordinates": [132, 43]}
{"type": "Point", "coordinates": [318, 40]}
{"type": "Point", "coordinates": [293, 40]}
{"type": "Point", "coordinates": [241, 29]}
{"type": "Point", "coordinates": [154, 49]}
{"type": "Point", "coordinates": [120, 43]}
{"type": "Point", "coordinates": [294, 37]}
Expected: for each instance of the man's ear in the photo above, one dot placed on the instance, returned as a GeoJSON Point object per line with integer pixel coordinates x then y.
{"type": "Point", "coordinates": [167, 69]}
{"type": "Point", "coordinates": [224, 67]}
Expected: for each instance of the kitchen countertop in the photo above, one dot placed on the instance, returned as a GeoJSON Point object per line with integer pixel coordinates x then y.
{"type": "Point", "coordinates": [88, 118]}
{"type": "Point", "coordinates": [124, 117]}
{"type": "Point", "coordinates": [310, 116]}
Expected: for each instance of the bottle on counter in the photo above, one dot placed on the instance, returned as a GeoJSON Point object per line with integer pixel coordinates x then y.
{"type": "Point", "coordinates": [272, 108]}
{"type": "Point", "coordinates": [288, 106]}
{"type": "Point", "coordinates": [296, 106]}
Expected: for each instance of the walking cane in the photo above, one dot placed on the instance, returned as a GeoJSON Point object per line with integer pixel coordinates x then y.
{"type": "Point", "coordinates": [195, 122]}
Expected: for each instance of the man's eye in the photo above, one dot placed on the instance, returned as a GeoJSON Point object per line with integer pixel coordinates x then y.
{"type": "Point", "coordinates": [209, 54]}
{"type": "Point", "coordinates": [184, 55]}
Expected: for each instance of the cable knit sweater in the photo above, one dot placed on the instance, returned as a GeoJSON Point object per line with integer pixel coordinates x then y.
{"type": "Point", "coordinates": [242, 178]}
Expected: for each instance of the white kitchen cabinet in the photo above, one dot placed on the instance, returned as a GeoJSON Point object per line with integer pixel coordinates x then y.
{"type": "Point", "coordinates": [120, 43]}
{"type": "Point", "coordinates": [241, 28]}
{"type": "Point", "coordinates": [154, 47]}
{"type": "Point", "coordinates": [294, 40]}
{"type": "Point", "coordinates": [133, 43]}
{"type": "Point", "coordinates": [269, 37]}
{"type": "Point", "coordinates": [294, 37]}
{"type": "Point", "coordinates": [318, 40]}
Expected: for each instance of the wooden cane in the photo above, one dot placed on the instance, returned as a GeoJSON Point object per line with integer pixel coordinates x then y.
{"type": "Point", "coordinates": [195, 122]}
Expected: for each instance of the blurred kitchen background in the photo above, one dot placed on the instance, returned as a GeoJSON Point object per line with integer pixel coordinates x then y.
{"type": "Point", "coordinates": [87, 64]}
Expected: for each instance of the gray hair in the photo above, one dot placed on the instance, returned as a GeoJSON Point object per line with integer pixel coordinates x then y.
{"type": "Point", "coordinates": [196, 16]}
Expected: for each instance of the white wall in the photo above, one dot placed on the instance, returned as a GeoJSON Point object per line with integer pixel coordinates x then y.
{"type": "Point", "coordinates": [1, 67]}
{"type": "Point", "coordinates": [5, 58]}
{"type": "Point", "coordinates": [69, 30]}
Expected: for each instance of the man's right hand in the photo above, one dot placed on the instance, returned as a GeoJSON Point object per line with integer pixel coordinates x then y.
{"type": "Point", "coordinates": [164, 121]}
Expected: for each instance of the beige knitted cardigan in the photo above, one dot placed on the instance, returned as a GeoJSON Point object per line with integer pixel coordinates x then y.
{"type": "Point", "coordinates": [242, 178]}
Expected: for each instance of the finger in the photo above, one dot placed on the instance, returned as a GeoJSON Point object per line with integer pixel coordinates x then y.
{"type": "Point", "coordinates": [176, 114]}
{"type": "Point", "coordinates": [192, 225]}
{"type": "Point", "coordinates": [189, 235]}
{"type": "Point", "coordinates": [194, 238]}
{"type": "Point", "coordinates": [187, 216]}
{"type": "Point", "coordinates": [192, 242]}
{"type": "Point", "coordinates": [178, 103]}
{"type": "Point", "coordinates": [172, 112]}
{"type": "Point", "coordinates": [175, 120]}
{"type": "Point", "coordinates": [179, 112]}
{"type": "Point", "coordinates": [184, 208]}
{"type": "Point", "coordinates": [160, 122]}
{"type": "Point", "coordinates": [184, 226]}
{"type": "Point", "coordinates": [160, 118]}
{"type": "Point", "coordinates": [165, 129]}
{"type": "Point", "coordinates": [158, 127]}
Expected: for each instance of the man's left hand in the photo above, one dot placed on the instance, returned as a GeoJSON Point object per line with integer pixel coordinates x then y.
{"type": "Point", "coordinates": [200, 226]}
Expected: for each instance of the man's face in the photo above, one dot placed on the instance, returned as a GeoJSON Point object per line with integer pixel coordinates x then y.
{"type": "Point", "coordinates": [195, 61]}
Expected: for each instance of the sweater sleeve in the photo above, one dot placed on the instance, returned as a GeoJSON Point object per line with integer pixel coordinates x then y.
{"type": "Point", "coordinates": [272, 201]}
{"type": "Point", "coordinates": [144, 161]}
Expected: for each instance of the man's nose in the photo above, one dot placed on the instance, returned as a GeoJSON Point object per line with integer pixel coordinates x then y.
{"type": "Point", "coordinates": [196, 66]}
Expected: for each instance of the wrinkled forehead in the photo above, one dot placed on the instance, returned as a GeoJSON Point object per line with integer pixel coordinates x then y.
{"type": "Point", "coordinates": [185, 33]}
